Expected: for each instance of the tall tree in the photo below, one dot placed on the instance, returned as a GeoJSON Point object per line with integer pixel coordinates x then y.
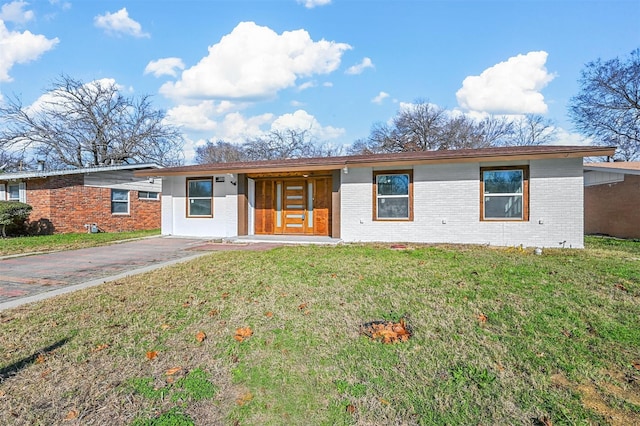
{"type": "Point", "coordinates": [219, 152]}
{"type": "Point", "coordinates": [531, 129]}
{"type": "Point", "coordinates": [426, 127]}
{"type": "Point", "coordinates": [607, 108]}
{"type": "Point", "coordinates": [10, 162]}
{"type": "Point", "coordinates": [77, 125]}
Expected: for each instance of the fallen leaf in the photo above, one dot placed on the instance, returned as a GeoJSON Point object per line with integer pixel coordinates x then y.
{"type": "Point", "coordinates": [213, 312]}
{"type": "Point", "coordinates": [238, 338]}
{"type": "Point", "coordinates": [40, 359]}
{"type": "Point", "coordinates": [2, 393]}
{"type": "Point", "coordinates": [242, 333]}
{"type": "Point", "coordinates": [384, 401]}
{"type": "Point", "coordinates": [307, 312]}
{"type": "Point", "coordinates": [225, 295]}
{"type": "Point", "coordinates": [99, 348]}
{"type": "Point", "coordinates": [636, 365]}
{"type": "Point", "coordinates": [247, 397]}
{"type": "Point", "coordinates": [546, 421]}
{"type": "Point", "coordinates": [482, 318]}
{"type": "Point", "coordinates": [200, 336]}
{"type": "Point", "coordinates": [151, 355]}
{"type": "Point", "coordinates": [172, 371]}
{"type": "Point", "coordinates": [268, 314]}
{"type": "Point", "coordinates": [302, 306]}
{"type": "Point", "coordinates": [73, 414]}
{"type": "Point", "coordinates": [334, 275]}
{"type": "Point", "coordinates": [186, 304]}
{"type": "Point", "coordinates": [621, 287]}
{"type": "Point", "coordinates": [45, 373]}
{"type": "Point", "coordinates": [165, 326]}
{"type": "Point", "coordinates": [351, 409]}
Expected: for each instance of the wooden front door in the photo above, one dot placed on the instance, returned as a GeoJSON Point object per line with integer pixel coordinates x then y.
{"type": "Point", "coordinates": [293, 206]}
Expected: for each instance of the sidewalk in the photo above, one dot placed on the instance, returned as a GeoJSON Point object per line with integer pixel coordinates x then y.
{"type": "Point", "coordinates": [32, 278]}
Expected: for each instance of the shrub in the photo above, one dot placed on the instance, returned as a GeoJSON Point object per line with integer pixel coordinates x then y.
{"type": "Point", "coordinates": [13, 213]}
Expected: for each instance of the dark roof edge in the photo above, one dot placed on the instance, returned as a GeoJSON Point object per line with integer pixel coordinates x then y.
{"type": "Point", "coordinates": [381, 160]}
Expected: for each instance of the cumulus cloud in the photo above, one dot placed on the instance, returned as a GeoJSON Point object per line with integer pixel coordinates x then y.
{"type": "Point", "coordinates": [14, 12]}
{"type": "Point", "coordinates": [381, 97]}
{"type": "Point", "coordinates": [20, 48]}
{"type": "Point", "coordinates": [119, 23]}
{"type": "Point", "coordinates": [164, 66]}
{"type": "Point", "coordinates": [359, 68]}
{"type": "Point", "coordinates": [302, 120]}
{"type": "Point", "coordinates": [310, 4]}
{"type": "Point", "coordinates": [511, 87]}
{"type": "Point", "coordinates": [254, 62]}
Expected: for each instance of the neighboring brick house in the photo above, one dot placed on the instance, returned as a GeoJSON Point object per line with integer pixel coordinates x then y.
{"type": "Point", "coordinates": [106, 199]}
{"type": "Point", "coordinates": [612, 199]}
{"type": "Point", "coordinates": [512, 196]}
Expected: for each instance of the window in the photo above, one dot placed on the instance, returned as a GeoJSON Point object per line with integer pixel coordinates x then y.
{"type": "Point", "coordinates": [119, 201]}
{"type": "Point", "coordinates": [199, 198]}
{"type": "Point", "coordinates": [148, 195]}
{"type": "Point", "coordinates": [13, 192]}
{"type": "Point", "coordinates": [393, 195]}
{"type": "Point", "coordinates": [504, 193]}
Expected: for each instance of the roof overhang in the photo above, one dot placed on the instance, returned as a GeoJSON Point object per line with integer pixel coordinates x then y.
{"type": "Point", "coordinates": [41, 174]}
{"type": "Point", "coordinates": [403, 159]}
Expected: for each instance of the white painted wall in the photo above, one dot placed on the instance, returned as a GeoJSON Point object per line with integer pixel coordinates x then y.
{"type": "Point", "coordinates": [224, 222]}
{"type": "Point", "coordinates": [447, 207]}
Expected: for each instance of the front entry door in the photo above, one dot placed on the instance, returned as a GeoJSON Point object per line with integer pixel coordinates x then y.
{"type": "Point", "coordinates": [294, 203]}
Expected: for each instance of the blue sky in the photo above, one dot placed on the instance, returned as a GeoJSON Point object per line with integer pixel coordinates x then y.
{"type": "Point", "coordinates": [236, 69]}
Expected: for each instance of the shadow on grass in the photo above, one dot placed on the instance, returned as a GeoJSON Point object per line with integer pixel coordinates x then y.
{"type": "Point", "coordinates": [13, 369]}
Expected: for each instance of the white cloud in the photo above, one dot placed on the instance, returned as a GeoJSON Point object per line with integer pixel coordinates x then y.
{"type": "Point", "coordinates": [302, 120]}
{"type": "Point", "coordinates": [306, 85]}
{"type": "Point", "coordinates": [119, 23]}
{"type": "Point", "coordinates": [564, 137]}
{"type": "Point", "coordinates": [20, 48]}
{"type": "Point", "coordinates": [255, 62]}
{"type": "Point", "coordinates": [381, 97]}
{"type": "Point", "coordinates": [310, 4]}
{"type": "Point", "coordinates": [359, 68]}
{"type": "Point", "coordinates": [14, 12]}
{"type": "Point", "coordinates": [511, 87]}
{"type": "Point", "coordinates": [164, 66]}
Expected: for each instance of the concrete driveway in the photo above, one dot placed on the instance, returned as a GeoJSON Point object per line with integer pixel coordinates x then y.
{"type": "Point", "coordinates": [32, 278]}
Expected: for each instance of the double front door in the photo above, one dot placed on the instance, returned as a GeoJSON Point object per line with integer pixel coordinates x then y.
{"type": "Point", "coordinates": [293, 206]}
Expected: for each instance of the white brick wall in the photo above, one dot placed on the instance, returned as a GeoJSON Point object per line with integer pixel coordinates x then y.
{"type": "Point", "coordinates": [447, 207]}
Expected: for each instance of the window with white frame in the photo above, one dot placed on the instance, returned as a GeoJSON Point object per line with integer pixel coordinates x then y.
{"type": "Point", "coordinates": [504, 193]}
{"type": "Point", "coordinates": [119, 201]}
{"type": "Point", "coordinates": [393, 193]}
{"type": "Point", "coordinates": [13, 192]}
{"type": "Point", "coordinates": [200, 197]}
{"type": "Point", "coordinates": [148, 195]}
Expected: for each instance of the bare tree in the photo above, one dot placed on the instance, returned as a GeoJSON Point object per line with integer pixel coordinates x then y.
{"type": "Point", "coordinates": [532, 129]}
{"type": "Point", "coordinates": [78, 124]}
{"type": "Point", "coordinates": [10, 162]}
{"type": "Point", "coordinates": [607, 108]}
{"type": "Point", "coordinates": [426, 127]}
{"type": "Point", "coordinates": [219, 152]}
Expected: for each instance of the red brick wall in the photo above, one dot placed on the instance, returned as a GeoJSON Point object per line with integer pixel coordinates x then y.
{"type": "Point", "coordinates": [613, 209]}
{"type": "Point", "coordinates": [64, 203]}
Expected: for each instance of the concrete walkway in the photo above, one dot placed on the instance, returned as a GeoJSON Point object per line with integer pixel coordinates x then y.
{"type": "Point", "coordinates": [32, 278]}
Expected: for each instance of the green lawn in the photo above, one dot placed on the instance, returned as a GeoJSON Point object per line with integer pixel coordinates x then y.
{"type": "Point", "coordinates": [501, 336]}
{"type": "Point", "coordinates": [56, 242]}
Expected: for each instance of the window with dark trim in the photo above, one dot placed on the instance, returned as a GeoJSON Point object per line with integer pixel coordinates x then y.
{"type": "Point", "coordinates": [200, 197]}
{"type": "Point", "coordinates": [504, 193]}
{"type": "Point", "coordinates": [119, 201]}
{"type": "Point", "coordinates": [393, 195]}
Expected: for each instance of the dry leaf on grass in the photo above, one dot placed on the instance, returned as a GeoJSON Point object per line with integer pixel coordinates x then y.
{"type": "Point", "coordinates": [387, 331]}
{"type": "Point", "coordinates": [268, 314]}
{"type": "Point", "coordinates": [152, 355]}
{"type": "Point", "coordinates": [99, 348]}
{"type": "Point", "coordinates": [213, 312]}
{"type": "Point", "coordinates": [247, 397]}
{"type": "Point", "coordinates": [482, 318]}
{"type": "Point", "coordinates": [351, 409]}
{"type": "Point", "coordinates": [242, 333]}
{"type": "Point", "coordinates": [165, 326]}
{"type": "Point", "coordinates": [172, 371]}
{"type": "Point", "coordinates": [636, 365]}
{"type": "Point", "coordinates": [73, 414]}
{"type": "Point", "coordinates": [302, 306]}
{"type": "Point", "coordinates": [200, 336]}
{"type": "Point", "coordinates": [40, 359]}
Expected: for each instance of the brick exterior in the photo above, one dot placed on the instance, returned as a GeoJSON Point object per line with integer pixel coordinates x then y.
{"type": "Point", "coordinates": [63, 204]}
{"type": "Point", "coordinates": [613, 209]}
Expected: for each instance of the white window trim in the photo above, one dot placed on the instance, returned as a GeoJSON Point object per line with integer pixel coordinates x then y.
{"type": "Point", "coordinates": [156, 198]}
{"type": "Point", "coordinates": [189, 198]}
{"type": "Point", "coordinates": [408, 196]}
{"type": "Point", "coordinates": [128, 202]}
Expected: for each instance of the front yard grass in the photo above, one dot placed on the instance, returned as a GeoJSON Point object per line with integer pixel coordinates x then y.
{"type": "Point", "coordinates": [500, 336]}
{"type": "Point", "coordinates": [57, 242]}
